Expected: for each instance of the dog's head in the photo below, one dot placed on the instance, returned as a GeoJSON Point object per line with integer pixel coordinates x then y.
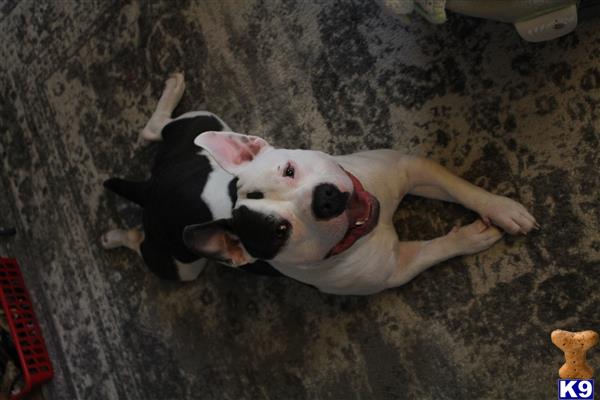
{"type": "Point", "coordinates": [293, 206]}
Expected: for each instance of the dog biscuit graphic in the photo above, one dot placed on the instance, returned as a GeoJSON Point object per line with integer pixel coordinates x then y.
{"type": "Point", "coordinates": [575, 346]}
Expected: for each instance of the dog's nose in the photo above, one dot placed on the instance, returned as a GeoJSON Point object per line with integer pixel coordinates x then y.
{"type": "Point", "coordinates": [328, 201]}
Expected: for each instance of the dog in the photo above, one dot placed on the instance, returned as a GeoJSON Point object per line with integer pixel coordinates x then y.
{"type": "Point", "coordinates": [323, 220]}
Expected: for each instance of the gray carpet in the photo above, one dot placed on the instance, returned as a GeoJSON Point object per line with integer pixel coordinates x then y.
{"type": "Point", "coordinates": [78, 80]}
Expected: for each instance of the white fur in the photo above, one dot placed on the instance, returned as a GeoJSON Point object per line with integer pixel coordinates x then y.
{"type": "Point", "coordinates": [216, 191]}
{"type": "Point", "coordinates": [189, 272]}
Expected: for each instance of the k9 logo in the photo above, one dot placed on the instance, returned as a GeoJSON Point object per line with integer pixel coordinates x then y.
{"type": "Point", "coordinates": [575, 389]}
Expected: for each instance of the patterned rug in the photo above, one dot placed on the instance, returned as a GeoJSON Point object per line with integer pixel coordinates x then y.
{"type": "Point", "coordinates": [78, 80]}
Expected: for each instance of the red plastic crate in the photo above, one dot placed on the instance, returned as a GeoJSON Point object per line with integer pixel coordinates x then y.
{"type": "Point", "coordinates": [24, 328]}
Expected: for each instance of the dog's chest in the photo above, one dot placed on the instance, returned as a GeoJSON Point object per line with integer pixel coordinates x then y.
{"type": "Point", "coordinates": [362, 269]}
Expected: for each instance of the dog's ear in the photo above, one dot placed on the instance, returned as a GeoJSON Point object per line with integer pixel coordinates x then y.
{"type": "Point", "coordinates": [232, 150]}
{"type": "Point", "coordinates": [216, 240]}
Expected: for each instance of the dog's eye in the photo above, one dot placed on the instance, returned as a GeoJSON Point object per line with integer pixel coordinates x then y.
{"type": "Point", "coordinates": [255, 195]}
{"type": "Point", "coordinates": [282, 230]}
{"type": "Point", "coordinates": [289, 171]}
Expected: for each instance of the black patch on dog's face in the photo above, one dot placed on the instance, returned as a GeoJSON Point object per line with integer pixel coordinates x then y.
{"type": "Point", "coordinates": [232, 188]}
{"type": "Point", "coordinates": [255, 195]}
{"type": "Point", "coordinates": [262, 235]}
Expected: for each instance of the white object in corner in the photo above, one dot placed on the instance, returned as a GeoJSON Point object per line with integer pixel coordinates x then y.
{"type": "Point", "coordinates": [548, 26]}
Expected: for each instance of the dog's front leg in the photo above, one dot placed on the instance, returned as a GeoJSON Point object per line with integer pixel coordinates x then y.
{"type": "Point", "coordinates": [412, 258]}
{"type": "Point", "coordinates": [426, 178]}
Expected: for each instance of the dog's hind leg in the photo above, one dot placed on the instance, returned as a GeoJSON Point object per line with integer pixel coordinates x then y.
{"type": "Point", "coordinates": [131, 238]}
{"type": "Point", "coordinates": [169, 99]}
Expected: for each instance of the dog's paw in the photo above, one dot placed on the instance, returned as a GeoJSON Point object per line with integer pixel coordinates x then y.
{"type": "Point", "coordinates": [115, 238]}
{"type": "Point", "coordinates": [473, 238]}
{"type": "Point", "coordinates": [112, 239]}
{"type": "Point", "coordinates": [507, 214]}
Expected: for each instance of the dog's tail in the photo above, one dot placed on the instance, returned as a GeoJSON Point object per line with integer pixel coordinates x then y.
{"type": "Point", "coordinates": [133, 191]}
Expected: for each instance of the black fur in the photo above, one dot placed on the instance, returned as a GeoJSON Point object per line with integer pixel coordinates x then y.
{"type": "Point", "coordinates": [172, 197]}
{"type": "Point", "coordinates": [233, 191]}
{"type": "Point", "coordinates": [258, 232]}
{"type": "Point", "coordinates": [132, 191]}
{"type": "Point", "coordinates": [255, 195]}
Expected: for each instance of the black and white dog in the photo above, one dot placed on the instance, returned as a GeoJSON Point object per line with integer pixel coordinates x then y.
{"type": "Point", "coordinates": [323, 220]}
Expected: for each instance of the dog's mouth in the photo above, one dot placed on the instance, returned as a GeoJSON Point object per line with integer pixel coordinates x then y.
{"type": "Point", "coordinates": [363, 214]}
